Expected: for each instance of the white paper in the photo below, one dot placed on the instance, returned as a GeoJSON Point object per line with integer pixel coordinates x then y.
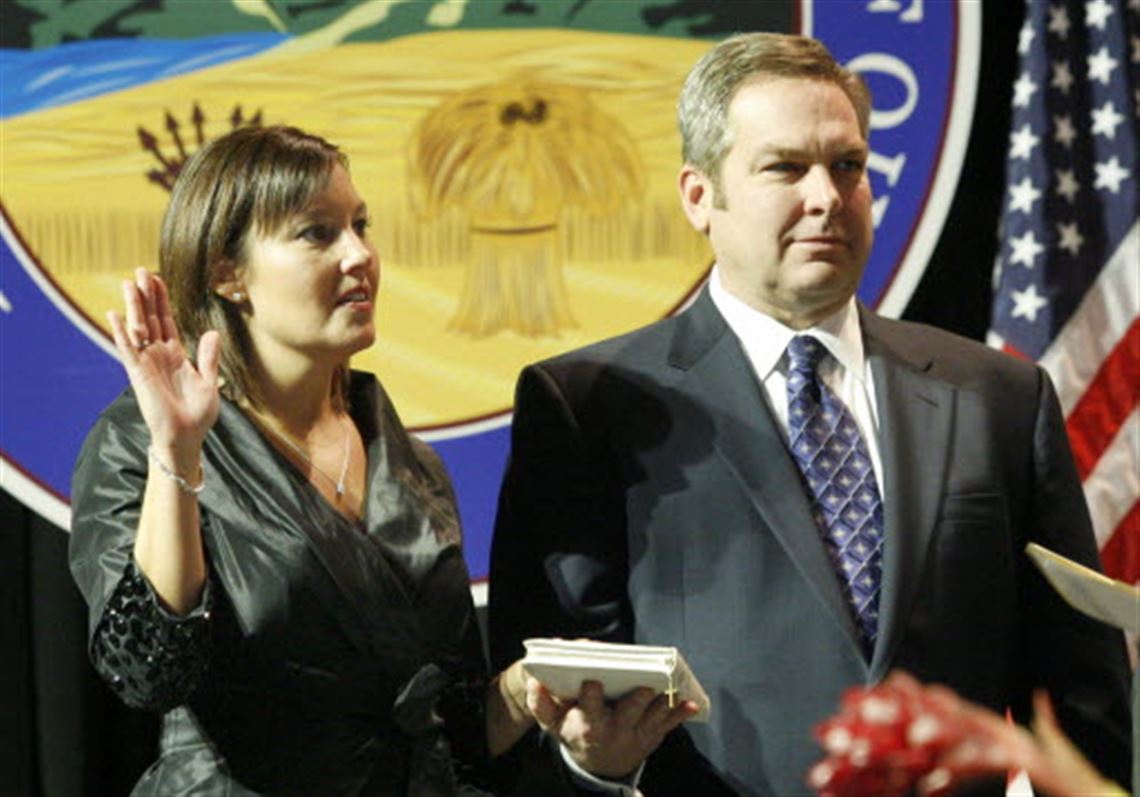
{"type": "Point", "coordinates": [1097, 595]}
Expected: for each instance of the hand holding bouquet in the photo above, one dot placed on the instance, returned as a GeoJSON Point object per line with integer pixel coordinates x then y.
{"type": "Point", "coordinates": [901, 737]}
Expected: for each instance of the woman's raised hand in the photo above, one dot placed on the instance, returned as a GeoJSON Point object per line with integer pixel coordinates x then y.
{"type": "Point", "coordinates": [178, 399]}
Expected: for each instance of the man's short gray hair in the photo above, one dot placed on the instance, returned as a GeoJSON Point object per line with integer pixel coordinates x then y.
{"type": "Point", "coordinates": [702, 111]}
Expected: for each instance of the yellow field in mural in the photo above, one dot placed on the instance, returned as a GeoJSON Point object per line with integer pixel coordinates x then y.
{"type": "Point", "coordinates": [522, 185]}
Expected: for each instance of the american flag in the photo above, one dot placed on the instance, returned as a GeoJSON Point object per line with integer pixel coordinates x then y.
{"type": "Point", "coordinates": [1067, 278]}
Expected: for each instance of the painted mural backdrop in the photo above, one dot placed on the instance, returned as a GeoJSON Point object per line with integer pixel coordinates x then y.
{"type": "Point", "coordinates": [518, 157]}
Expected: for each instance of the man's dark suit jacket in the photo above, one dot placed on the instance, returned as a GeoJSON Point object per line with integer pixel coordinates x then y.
{"type": "Point", "coordinates": [650, 498]}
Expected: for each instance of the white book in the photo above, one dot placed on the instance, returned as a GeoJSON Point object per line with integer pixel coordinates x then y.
{"type": "Point", "coordinates": [562, 665]}
{"type": "Point", "coordinates": [1086, 590]}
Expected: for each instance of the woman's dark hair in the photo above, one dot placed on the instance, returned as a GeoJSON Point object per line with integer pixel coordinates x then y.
{"type": "Point", "coordinates": [249, 180]}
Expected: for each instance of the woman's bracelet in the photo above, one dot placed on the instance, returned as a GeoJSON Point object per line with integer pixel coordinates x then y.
{"type": "Point", "coordinates": [183, 485]}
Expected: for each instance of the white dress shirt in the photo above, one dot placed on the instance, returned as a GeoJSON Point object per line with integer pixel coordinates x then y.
{"type": "Point", "coordinates": [846, 372]}
{"type": "Point", "coordinates": [614, 788]}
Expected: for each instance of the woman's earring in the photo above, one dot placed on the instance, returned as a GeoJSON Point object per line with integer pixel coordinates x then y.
{"type": "Point", "coordinates": [238, 297]}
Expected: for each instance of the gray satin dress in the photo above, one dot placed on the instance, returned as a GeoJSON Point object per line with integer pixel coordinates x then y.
{"type": "Point", "coordinates": [326, 658]}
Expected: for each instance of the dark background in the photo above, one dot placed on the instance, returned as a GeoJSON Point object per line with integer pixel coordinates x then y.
{"type": "Point", "coordinates": [62, 733]}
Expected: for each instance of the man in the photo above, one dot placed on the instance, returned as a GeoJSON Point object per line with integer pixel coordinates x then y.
{"type": "Point", "coordinates": [797, 493]}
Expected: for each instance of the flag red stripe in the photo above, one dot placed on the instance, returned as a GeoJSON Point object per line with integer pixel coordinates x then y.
{"type": "Point", "coordinates": [1110, 398]}
{"type": "Point", "coordinates": [1120, 556]}
{"type": "Point", "coordinates": [1012, 350]}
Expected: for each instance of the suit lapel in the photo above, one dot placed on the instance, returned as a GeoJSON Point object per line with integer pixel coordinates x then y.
{"type": "Point", "coordinates": [916, 415]}
{"type": "Point", "coordinates": [750, 444]}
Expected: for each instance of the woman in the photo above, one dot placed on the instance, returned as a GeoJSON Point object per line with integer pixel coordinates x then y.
{"type": "Point", "coordinates": [268, 557]}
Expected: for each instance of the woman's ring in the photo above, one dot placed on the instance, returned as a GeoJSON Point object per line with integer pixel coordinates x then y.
{"type": "Point", "coordinates": [142, 344]}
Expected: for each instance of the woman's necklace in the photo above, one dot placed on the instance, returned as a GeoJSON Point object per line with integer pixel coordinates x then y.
{"type": "Point", "coordinates": [303, 454]}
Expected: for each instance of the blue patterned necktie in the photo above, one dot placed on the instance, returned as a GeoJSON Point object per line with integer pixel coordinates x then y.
{"type": "Point", "coordinates": [835, 466]}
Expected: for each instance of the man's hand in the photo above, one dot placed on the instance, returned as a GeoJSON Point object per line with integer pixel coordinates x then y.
{"type": "Point", "coordinates": [609, 741]}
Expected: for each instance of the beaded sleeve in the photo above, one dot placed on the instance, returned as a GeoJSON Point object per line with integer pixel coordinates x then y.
{"type": "Point", "coordinates": [151, 658]}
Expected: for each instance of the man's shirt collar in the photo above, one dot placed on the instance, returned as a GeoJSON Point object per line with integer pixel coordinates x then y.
{"type": "Point", "coordinates": [765, 339]}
